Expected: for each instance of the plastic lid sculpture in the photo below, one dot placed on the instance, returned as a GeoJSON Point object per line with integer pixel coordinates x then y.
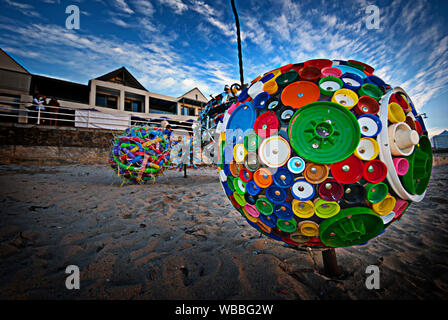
{"type": "Point", "coordinates": [140, 154]}
{"type": "Point", "coordinates": [323, 154]}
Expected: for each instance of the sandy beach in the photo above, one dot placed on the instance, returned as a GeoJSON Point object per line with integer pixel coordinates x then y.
{"type": "Point", "coordinates": [181, 239]}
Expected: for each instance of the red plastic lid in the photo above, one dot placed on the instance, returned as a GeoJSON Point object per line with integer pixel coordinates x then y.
{"type": "Point", "coordinates": [300, 93]}
{"type": "Point", "coordinates": [331, 190]}
{"type": "Point", "coordinates": [368, 69]}
{"type": "Point", "coordinates": [375, 171]}
{"type": "Point", "coordinates": [234, 203]}
{"type": "Point", "coordinates": [333, 72]}
{"type": "Point", "coordinates": [245, 175]}
{"type": "Point", "coordinates": [286, 68]}
{"type": "Point", "coordinates": [367, 104]}
{"type": "Point", "coordinates": [418, 127]}
{"type": "Point", "coordinates": [319, 63]}
{"type": "Point", "coordinates": [347, 171]}
{"type": "Point", "coordinates": [315, 241]}
{"type": "Point", "coordinates": [266, 124]}
{"type": "Point", "coordinates": [398, 98]}
{"type": "Point", "coordinates": [310, 73]}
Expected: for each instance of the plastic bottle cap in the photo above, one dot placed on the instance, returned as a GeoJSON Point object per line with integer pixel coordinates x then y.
{"type": "Point", "coordinates": [264, 206]}
{"type": "Point", "coordinates": [400, 207]}
{"type": "Point", "coordinates": [367, 105]}
{"type": "Point", "coordinates": [239, 199]}
{"type": "Point", "coordinates": [271, 87]}
{"type": "Point", "coordinates": [287, 78]}
{"type": "Point", "coordinates": [255, 89]}
{"type": "Point", "coordinates": [388, 218]}
{"type": "Point", "coordinates": [331, 190]}
{"type": "Point", "coordinates": [263, 177]}
{"type": "Point", "coordinates": [235, 168]}
{"type": "Point", "coordinates": [260, 100]}
{"type": "Point", "coordinates": [370, 90]}
{"type": "Point", "coordinates": [318, 63]}
{"type": "Point", "coordinates": [347, 171]}
{"type": "Point", "coordinates": [266, 124]}
{"type": "Point", "coordinates": [346, 98]}
{"type": "Point", "coordinates": [251, 142]}
{"type": "Point", "coordinates": [274, 151]}
{"type": "Point", "coordinates": [245, 175]}
{"type": "Point", "coordinates": [396, 113]}
{"type": "Point", "coordinates": [303, 209]}
{"type": "Point", "coordinates": [385, 206]}
{"type": "Point", "coordinates": [283, 178]}
{"type": "Point", "coordinates": [349, 69]}
{"type": "Point", "coordinates": [269, 220]}
{"type": "Point", "coordinates": [296, 165]}
{"type": "Point", "coordinates": [252, 188]}
{"type": "Point", "coordinates": [243, 118]}
{"type": "Point", "coordinates": [352, 226]}
{"type": "Point", "coordinates": [367, 149]}
{"type": "Point", "coordinates": [351, 81]}
{"type": "Point", "coordinates": [275, 194]}
{"type": "Point", "coordinates": [376, 192]}
{"type": "Point", "coordinates": [370, 125]}
{"type": "Point", "coordinates": [329, 85]}
{"type": "Point", "coordinates": [310, 73]}
{"type": "Point", "coordinates": [252, 210]}
{"type": "Point", "coordinates": [331, 72]}
{"type": "Point", "coordinates": [239, 153]}
{"type": "Point", "coordinates": [309, 228]}
{"type": "Point", "coordinates": [300, 93]}
{"type": "Point", "coordinates": [302, 190]}
{"type": "Point", "coordinates": [324, 132]}
{"type": "Point", "coordinates": [315, 173]}
{"type": "Point", "coordinates": [326, 209]}
{"type": "Point", "coordinates": [354, 194]}
{"type": "Point", "coordinates": [240, 186]}
{"type": "Point", "coordinates": [401, 166]}
{"type": "Point", "coordinates": [283, 211]}
{"type": "Point", "coordinates": [287, 225]}
{"type": "Point", "coordinates": [374, 171]}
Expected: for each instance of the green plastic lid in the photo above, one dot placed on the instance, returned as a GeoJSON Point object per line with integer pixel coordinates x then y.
{"type": "Point", "coordinates": [370, 90]}
{"type": "Point", "coordinates": [287, 78]}
{"type": "Point", "coordinates": [240, 186]}
{"type": "Point", "coordinates": [334, 84]}
{"type": "Point", "coordinates": [416, 180]}
{"type": "Point", "coordinates": [230, 183]}
{"type": "Point", "coordinates": [264, 206]}
{"type": "Point", "coordinates": [326, 209]}
{"type": "Point", "coordinates": [287, 225]}
{"type": "Point", "coordinates": [251, 142]}
{"type": "Point", "coordinates": [352, 226]}
{"type": "Point", "coordinates": [239, 199]}
{"type": "Point", "coordinates": [376, 192]}
{"type": "Point", "coordinates": [324, 132]}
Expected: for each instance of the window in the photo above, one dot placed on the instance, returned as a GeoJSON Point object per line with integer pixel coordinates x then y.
{"type": "Point", "coordinates": [134, 102]}
{"type": "Point", "coordinates": [103, 100]}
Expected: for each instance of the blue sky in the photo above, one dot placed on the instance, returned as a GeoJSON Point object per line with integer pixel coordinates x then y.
{"type": "Point", "coordinates": [172, 46]}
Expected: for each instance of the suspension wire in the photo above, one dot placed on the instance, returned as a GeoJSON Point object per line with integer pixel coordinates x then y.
{"type": "Point", "coordinates": [238, 34]}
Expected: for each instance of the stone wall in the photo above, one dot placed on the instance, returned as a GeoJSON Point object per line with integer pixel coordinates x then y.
{"type": "Point", "coordinates": [47, 145]}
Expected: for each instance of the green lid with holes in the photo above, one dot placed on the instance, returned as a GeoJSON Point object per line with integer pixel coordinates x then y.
{"type": "Point", "coordinates": [264, 206]}
{"type": "Point", "coordinates": [251, 142]}
{"type": "Point", "coordinates": [416, 180]}
{"type": "Point", "coordinates": [287, 225]}
{"type": "Point", "coordinates": [287, 78]}
{"type": "Point", "coordinates": [376, 192]}
{"type": "Point", "coordinates": [324, 132]}
{"type": "Point", "coordinates": [230, 183]}
{"type": "Point", "coordinates": [370, 90]}
{"type": "Point", "coordinates": [351, 227]}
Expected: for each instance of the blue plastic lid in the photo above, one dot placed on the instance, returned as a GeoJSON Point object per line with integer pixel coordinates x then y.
{"type": "Point", "coordinates": [270, 221]}
{"type": "Point", "coordinates": [226, 169]}
{"type": "Point", "coordinates": [243, 117]}
{"type": "Point", "coordinates": [228, 153]}
{"type": "Point", "coordinates": [283, 211]}
{"type": "Point", "coordinates": [243, 95]}
{"type": "Point", "coordinates": [260, 101]}
{"type": "Point", "coordinates": [252, 188]}
{"type": "Point", "coordinates": [377, 120]}
{"type": "Point", "coordinates": [354, 77]}
{"type": "Point", "coordinates": [348, 69]}
{"type": "Point", "coordinates": [250, 198]}
{"type": "Point", "coordinates": [275, 194]}
{"type": "Point", "coordinates": [226, 188]}
{"type": "Point", "coordinates": [376, 81]}
{"type": "Point", "coordinates": [267, 77]}
{"type": "Point", "coordinates": [283, 178]}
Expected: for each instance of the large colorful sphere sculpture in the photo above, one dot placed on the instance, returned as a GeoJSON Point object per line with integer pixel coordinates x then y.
{"type": "Point", "coordinates": [323, 154]}
{"type": "Point", "coordinates": [140, 154]}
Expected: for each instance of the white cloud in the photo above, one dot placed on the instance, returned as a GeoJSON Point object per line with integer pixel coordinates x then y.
{"type": "Point", "coordinates": [177, 5]}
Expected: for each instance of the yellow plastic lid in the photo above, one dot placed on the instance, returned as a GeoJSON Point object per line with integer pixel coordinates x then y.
{"type": "Point", "coordinates": [303, 209]}
{"type": "Point", "coordinates": [386, 206]}
{"type": "Point", "coordinates": [309, 228]}
{"type": "Point", "coordinates": [345, 97]}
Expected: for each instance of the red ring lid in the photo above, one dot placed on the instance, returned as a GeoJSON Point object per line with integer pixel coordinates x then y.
{"type": "Point", "coordinates": [418, 127]}
{"type": "Point", "coordinates": [266, 124]}
{"type": "Point", "coordinates": [347, 171]}
{"type": "Point", "coordinates": [310, 73]}
{"type": "Point", "coordinates": [245, 175]}
{"type": "Point", "coordinates": [318, 63]}
{"type": "Point", "coordinates": [331, 190]}
{"type": "Point", "coordinates": [374, 171]}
